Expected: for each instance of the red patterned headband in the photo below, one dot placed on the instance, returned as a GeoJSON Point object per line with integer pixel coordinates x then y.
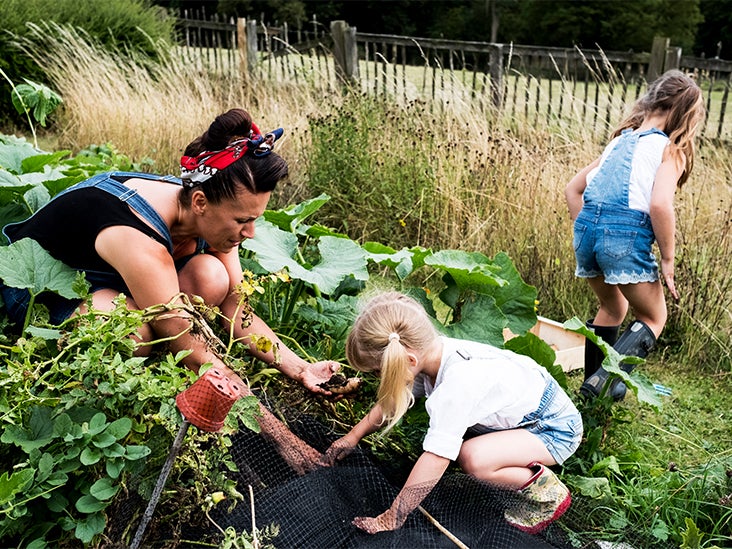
{"type": "Point", "coordinates": [194, 170]}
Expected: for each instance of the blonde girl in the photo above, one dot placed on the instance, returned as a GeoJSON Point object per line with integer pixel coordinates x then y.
{"type": "Point", "coordinates": [499, 415]}
{"type": "Point", "coordinates": [621, 203]}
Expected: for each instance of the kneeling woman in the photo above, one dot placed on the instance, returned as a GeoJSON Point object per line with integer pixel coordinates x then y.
{"type": "Point", "coordinates": [500, 415]}
{"type": "Point", "coordinates": [152, 237]}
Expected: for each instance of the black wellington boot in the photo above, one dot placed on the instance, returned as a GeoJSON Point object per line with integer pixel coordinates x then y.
{"type": "Point", "coordinates": [593, 354]}
{"type": "Point", "coordinates": [637, 340]}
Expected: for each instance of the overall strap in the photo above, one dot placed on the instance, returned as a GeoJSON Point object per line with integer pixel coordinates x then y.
{"type": "Point", "coordinates": [124, 193]}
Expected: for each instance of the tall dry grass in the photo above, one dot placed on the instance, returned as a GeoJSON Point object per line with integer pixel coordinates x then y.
{"type": "Point", "coordinates": [448, 176]}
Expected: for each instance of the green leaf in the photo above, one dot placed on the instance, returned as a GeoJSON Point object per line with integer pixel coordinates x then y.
{"type": "Point", "coordinates": [38, 433]}
{"type": "Point", "coordinates": [533, 346]}
{"type": "Point", "coordinates": [120, 428]}
{"type": "Point", "coordinates": [480, 320]}
{"type": "Point", "coordinates": [57, 503]}
{"type": "Point", "coordinates": [91, 526]}
{"type": "Point", "coordinates": [13, 151]}
{"type": "Point", "coordinates": [340, 257]}
{"type": "Point", "coordinates": [49, 334]}
{"type": "Point", "coordinates": [62, 425]}
{"type": "Point", "coordinates": [10, 485]}
{"type": "Point", "coordinates": [25, 264]}
{"type": "Point", "coordinates": [134, 452]}
{"type": "Point", "coordinates": [400, 261]}
{"type": "Point", "coordinates": [89, 504]}
{"type": "Point", "coordinates": [114, 467]}
{"type": "Point", "coordinates": [104, 440]}
{"type": "Point", "coordinates": [90, 456]}
{"type": "Point", "coordinates": [42, 162]}
{"type": "Point", "coordinates": [114, 451]}
{"type": "Point", "coordinates": [643, 388]}
{"type": "Point", "coordinates": [691, 536]}
{"type": "Point", "coordinates": [470, 270]}
{"type": "Point", "coordinates": [593, 487]}
{"type": "Point", "coordinates": [103, 489]}
{"type": "Point", "coordinates": [36, 98]}
{"type": "Point", "coordinates": [97, 423]}
{"type": "Point", "coordinates": [289, 218]}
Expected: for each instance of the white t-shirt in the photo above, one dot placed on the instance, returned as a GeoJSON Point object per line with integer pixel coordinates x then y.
{"type": "Point", "coordinates": [646, 160]}
{"type": "Point", "coordinates": [477, 385]}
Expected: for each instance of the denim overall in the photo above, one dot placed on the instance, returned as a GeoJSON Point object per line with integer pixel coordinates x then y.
{"type": "Point", "coordinates": [610, 238]}
{"type": "Point", "coordinates": [17, 299]}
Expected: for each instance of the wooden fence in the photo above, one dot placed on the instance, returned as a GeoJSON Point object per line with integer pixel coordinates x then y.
{"type": "Point", "coordinates": [540, 85]}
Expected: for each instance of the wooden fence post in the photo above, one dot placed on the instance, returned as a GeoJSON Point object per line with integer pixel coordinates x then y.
{"type": "Point", "coordinates": [345, 51]}
{"type": "Point", "coordinates": [495, 59]}
{"type": "Point", "coordinates": [658, 57]}
{"type": "Point", "coordinates": [672, 60]}
{"type": "Point", "coordinates": [241, 46]}
{"type": "Point", "coordinates": [252, 51]}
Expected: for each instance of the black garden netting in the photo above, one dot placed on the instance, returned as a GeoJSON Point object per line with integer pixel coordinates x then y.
{"type": "Point", "coordinates": [315, 510]}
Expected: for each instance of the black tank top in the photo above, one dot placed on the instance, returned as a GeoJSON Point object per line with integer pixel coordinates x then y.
{"type": "Point", "coordinates": [68, 226]}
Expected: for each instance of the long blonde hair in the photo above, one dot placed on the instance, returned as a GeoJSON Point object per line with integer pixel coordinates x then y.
{"type": "Point", "coordinates": [678, 95]}
{"type": "Point", "coordinates": [388, 328]}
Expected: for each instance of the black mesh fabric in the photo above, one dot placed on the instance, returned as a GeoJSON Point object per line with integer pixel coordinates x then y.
{"type": "Point", "coordinates": [315, 510]}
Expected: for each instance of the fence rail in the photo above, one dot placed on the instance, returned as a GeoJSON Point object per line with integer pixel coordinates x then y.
{"type": "Point", "coordinates": [540, 85]}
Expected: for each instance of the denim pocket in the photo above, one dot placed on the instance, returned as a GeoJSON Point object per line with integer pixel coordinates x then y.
{"type": "Point", "coordinates": [579, 233]}
{"type": "Point", "coordinates": [618, 243]}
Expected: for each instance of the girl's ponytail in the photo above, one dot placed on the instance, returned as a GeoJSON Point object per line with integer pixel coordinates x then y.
{"type": "Point", "coordinates": [390, 327]}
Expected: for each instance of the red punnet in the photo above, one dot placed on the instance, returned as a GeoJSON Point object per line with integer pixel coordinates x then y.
{"type": "Point", "coordinates": [207, 402]}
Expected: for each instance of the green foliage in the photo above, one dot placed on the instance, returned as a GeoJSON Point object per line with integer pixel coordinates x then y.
{"type": "Point", "coordinates": [25, 264]}
{"type": "Point", "coordinates": [35, 98]}
{"type": "Point", "coordinates": [30, 177]}
{"type": "Point", "coordinates": [347, 152]}
{"type": "Point", "coordinates": [135, 24]}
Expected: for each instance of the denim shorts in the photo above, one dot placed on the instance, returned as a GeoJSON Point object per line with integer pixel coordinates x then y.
{"type": "Point", "coordinates": [556, 421]}
{"type": "Point", "coordinates": [17, 301]}
{"type": "Point", "coordinates": [615, 244]}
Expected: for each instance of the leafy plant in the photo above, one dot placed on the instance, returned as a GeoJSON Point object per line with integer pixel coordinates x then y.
{"type": "Point", "coordinates": [35, 98]}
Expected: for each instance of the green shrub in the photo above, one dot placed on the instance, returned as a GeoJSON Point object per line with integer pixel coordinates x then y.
{"type": "Point", "coordinates": [129, 23]}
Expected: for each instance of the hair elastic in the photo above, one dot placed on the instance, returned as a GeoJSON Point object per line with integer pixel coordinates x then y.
{"type": "Point", "coordinates": [393, 336]}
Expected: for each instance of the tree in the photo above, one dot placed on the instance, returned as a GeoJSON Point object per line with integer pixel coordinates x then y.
{"type": "Point", "coordinates": [714, 38]}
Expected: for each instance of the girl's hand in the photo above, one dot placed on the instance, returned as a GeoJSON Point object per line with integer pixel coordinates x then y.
{"type": "Point", "coordinates": [667, 274]}
{"type": "Point", "coordinates": [385, 522]}
{"type": "Point", "coordinates": [337, 451]}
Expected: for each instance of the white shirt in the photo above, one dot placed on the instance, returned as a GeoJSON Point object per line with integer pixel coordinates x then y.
{"type": "Point", "coordinates": [646, 161]}
{"type": "Point", "coordinates": [477, 385]}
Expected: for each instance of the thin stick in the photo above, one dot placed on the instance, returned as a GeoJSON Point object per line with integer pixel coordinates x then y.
{"type": "Point", "coordinates": [255, 541]}
{"type": "Point", "coordinates": [442, 529]}
{"type": "Point", "coordinates": [164, 472]}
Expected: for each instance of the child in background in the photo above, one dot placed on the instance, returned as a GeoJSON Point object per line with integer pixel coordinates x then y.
{"type": "Point", "coordinates": [500, 415]}
{"type": "Point", "coordinates": [620, 204]}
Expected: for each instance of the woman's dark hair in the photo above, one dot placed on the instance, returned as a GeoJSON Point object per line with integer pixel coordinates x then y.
{"type": "Point", "coordinates": [258, 174]}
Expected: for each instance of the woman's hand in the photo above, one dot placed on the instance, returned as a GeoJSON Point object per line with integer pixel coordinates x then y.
{"type": "Point", "coordinates": [385, 522]}
{"type": "Point", "coordinates": [319, 372]}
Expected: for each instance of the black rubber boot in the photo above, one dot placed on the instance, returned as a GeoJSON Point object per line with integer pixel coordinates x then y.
{"type": "Point", "coordinates": [593, 354]}
{"type": "Point", "coordinates": [637, 340]}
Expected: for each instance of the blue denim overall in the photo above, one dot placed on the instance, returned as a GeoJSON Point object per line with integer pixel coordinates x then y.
{"type": "Point", "coordinates": [17, 299]}
{"type": "Point", "coordinates": [611, 239]}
